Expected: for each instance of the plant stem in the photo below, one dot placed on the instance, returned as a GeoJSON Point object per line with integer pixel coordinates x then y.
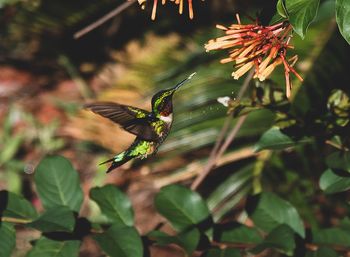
{"type": "Point", "coordinates": [263, 157]}
{"type": "Point", "coordinates": [82, 86]}
{"type": "Point", "coordinates": [194, 168]}
{"type": "Point", "coordinates": [103, 19]}
{"type": "Point", "coordinates": [15, 220]}
{"type": "Point", "coordinates": [220, 147]}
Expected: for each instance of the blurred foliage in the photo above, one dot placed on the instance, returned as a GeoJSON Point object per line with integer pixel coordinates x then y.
{"type": "Point", "coordinates": [20, 131]}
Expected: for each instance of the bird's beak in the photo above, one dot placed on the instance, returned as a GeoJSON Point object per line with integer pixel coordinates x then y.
{"type": "Point", "coordinates": [183, 82]}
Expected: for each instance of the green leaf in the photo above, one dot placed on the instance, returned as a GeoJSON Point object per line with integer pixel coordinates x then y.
{"type": "Point", "coordinates": [45, 247]}
{"type": "Point", "coordinates": [342, 11]}
{"type": "Point", "coordinates": [238, 233]}
{"type": "Point", "coordinates": [181, 206]}
{"type": "Point", "coordinates": [323, 252]}
{"type": "Point", "coordinates": [326, 11]}
{"type": "Point", "coordinates": [275, 139]}
{"type": "Point", "coordinates": [345, 223]}
{"type": "Point", "coordinates": [58, 219]}
{"type": "Point", "coordinates": [230, 192]}
{"type": "Point", "coordinates": [277, 18]}
{"type": "Point", "coordinates": [16, 206]}
{"type": "Point", "coordinates": [332, 183]}
{"type": "Point", "coordinates": [310, 101]}
{"type": "Point", "coordinates": [280, 239]}
{"type": "Point", "coordinates": [282, 9]}
{"type": "Point", "coordinates": [114, 204]}
{"type": "Point", "coordinates": [228, 252]}
{"type": "Point", "coordinates": [58, 183]}
{"type": "Point", "coordinates": [10, 148]}
{"type": "Point", "coordinates": [228, 205]}
{"type": "Point", "coordinates": [301, 13]}
{"type": "Point", "coordinates": [7, 239]}
{"type": "Point", "coordinates": [272, 211]}
{"type": "Point", "coordinates": [230, 186]}
{"type": "Point", "coordinates": [120, 241]}
{"type": "Point", "coordinates": [339, 160]}
{"type": "Point", "coordinates": [331, 237]}
{"type": "Point", "coordinates": [188, 240]}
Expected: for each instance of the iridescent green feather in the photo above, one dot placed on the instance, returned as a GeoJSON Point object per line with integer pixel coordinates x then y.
{"type": "Point", "coordinates": [159, 100]}
{"type": "Point", "coordinates": [142, 149]}
{"type": "Point", "coordinates": [139, 113]}
{"type": "Point", "coordinates": [159, 127]}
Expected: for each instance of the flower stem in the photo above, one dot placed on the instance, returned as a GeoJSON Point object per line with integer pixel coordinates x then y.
{"type": "Point", "coordinates": [15, 220]}
{"type": "Point", "coordinates": [220, 146]}
{"type": "Point", "coordinates": [103, 19]}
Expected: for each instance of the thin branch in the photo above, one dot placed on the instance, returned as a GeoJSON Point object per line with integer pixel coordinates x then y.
{"type": "Point", "coordinates": [217, 150]}
{"type": "Point", "coordinates": [82, 86]}
{"type": "Point", "coordinates": [230, 137]}
{"type": "Point", "coordinates": [230, 117]}
{"type": "Point", "coordinates": [15, 220]}
{"type": "Point", "coordinates": [335, 145]}
{"type": "Point", "coordinates": [220, 152]}
{"type": "Point", "coordinates": [103, 19]}
{"type": "Point", "coordinates": [221, 136]}
{"type": "Point", "coordinates": [224, 245]}
{"type": "Point", "coordinates": [194, 168]}
{"type": "Point", "coordinates": [245, 84]}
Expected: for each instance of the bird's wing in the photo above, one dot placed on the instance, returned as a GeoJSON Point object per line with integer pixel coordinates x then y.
{"type": "Point", "coordinates": [132, 119]}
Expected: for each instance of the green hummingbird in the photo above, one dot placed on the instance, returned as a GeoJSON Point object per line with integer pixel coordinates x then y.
{"type": "Point", "coordinates": [150, 127]}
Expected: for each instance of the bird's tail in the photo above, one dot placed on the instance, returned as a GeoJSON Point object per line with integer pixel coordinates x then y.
{"type": "Point", "coordinates": [117, 161]}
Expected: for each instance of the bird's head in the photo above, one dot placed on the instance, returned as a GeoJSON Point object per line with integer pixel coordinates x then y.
{"type": "Point", "coordinates": [162, 101]}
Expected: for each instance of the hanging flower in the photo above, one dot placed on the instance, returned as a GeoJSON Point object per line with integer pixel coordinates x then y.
{"type": "Point", "coordinates": [260, 47]}
{"type": "Point", "coordinates": [180, 3]}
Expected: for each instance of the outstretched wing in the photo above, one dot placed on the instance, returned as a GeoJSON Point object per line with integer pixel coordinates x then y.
{"type": "Point", "coordinates": [132, 119]}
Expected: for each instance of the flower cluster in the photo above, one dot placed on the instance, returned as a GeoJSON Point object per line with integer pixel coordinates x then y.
{"type": "Point", "coordinates": [180, 3]}
{"type": "Point", "coordinates": [259, 47]}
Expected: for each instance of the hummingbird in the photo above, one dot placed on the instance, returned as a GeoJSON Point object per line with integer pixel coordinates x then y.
{"type": "Point", "coordinates": [150, 127]}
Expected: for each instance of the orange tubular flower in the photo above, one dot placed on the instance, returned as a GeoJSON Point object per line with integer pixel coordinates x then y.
{"type": "Point", "coordinates": [261, 47]}
{"type": "Point", "coordinates": [180, 3]}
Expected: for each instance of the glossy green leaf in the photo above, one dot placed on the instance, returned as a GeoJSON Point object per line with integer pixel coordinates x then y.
{"type": "Point", "coordinates": [301, 13]}
{"type": "Point", "coordinates": [323, 252]}
{"type": "Point", "coordinates": [331, 237]}
{"type": "Point", "coordinates": [60, 218]}
{"type": "Point", "coordinates": [7, 239]}
{"type": "Point", "coordinates": [45, 247]}
{"type": "Point", "coordinates": [228, 252]}
{"type": "Point", "coordinates": [188, 240]}
{"type": "Point", "coordinates": [114, 204]}
{"type": "Point", "coordinates": [281, 239]}
{"type": "Point", "coordinates": [275, 139]}
{"type": "Point", "coordinates": [339, 160]}
{"type": "Point", "coordinates": [282, 9]}
{"type": "Point", "coordinates": [181, 206]}
{"type": "Point", "coordinates": [310, 101]}
{"type": "Point", "coordinates": [230, 186]}
{"type": "Point", "coordinates": [342, 9]}
{"type": "Point", "coordinates": [120, 241]}
{"type": "Point", "coordinates": [272, 211]}
{"type": "Point", "coordinates": [238, 233]}
{"type": "Point", "coordinates": [16, 206]}
{"type": "Point", "coordinates": [326, 11]}
{"type": "Point", "coordinates": [232, 202]}
{"type": "Point", "coordinates": [332, 183]}
{"type": "Point", "coordinates": [277, 18]}
{"type": "Point", "coordinates": [58, 183]}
